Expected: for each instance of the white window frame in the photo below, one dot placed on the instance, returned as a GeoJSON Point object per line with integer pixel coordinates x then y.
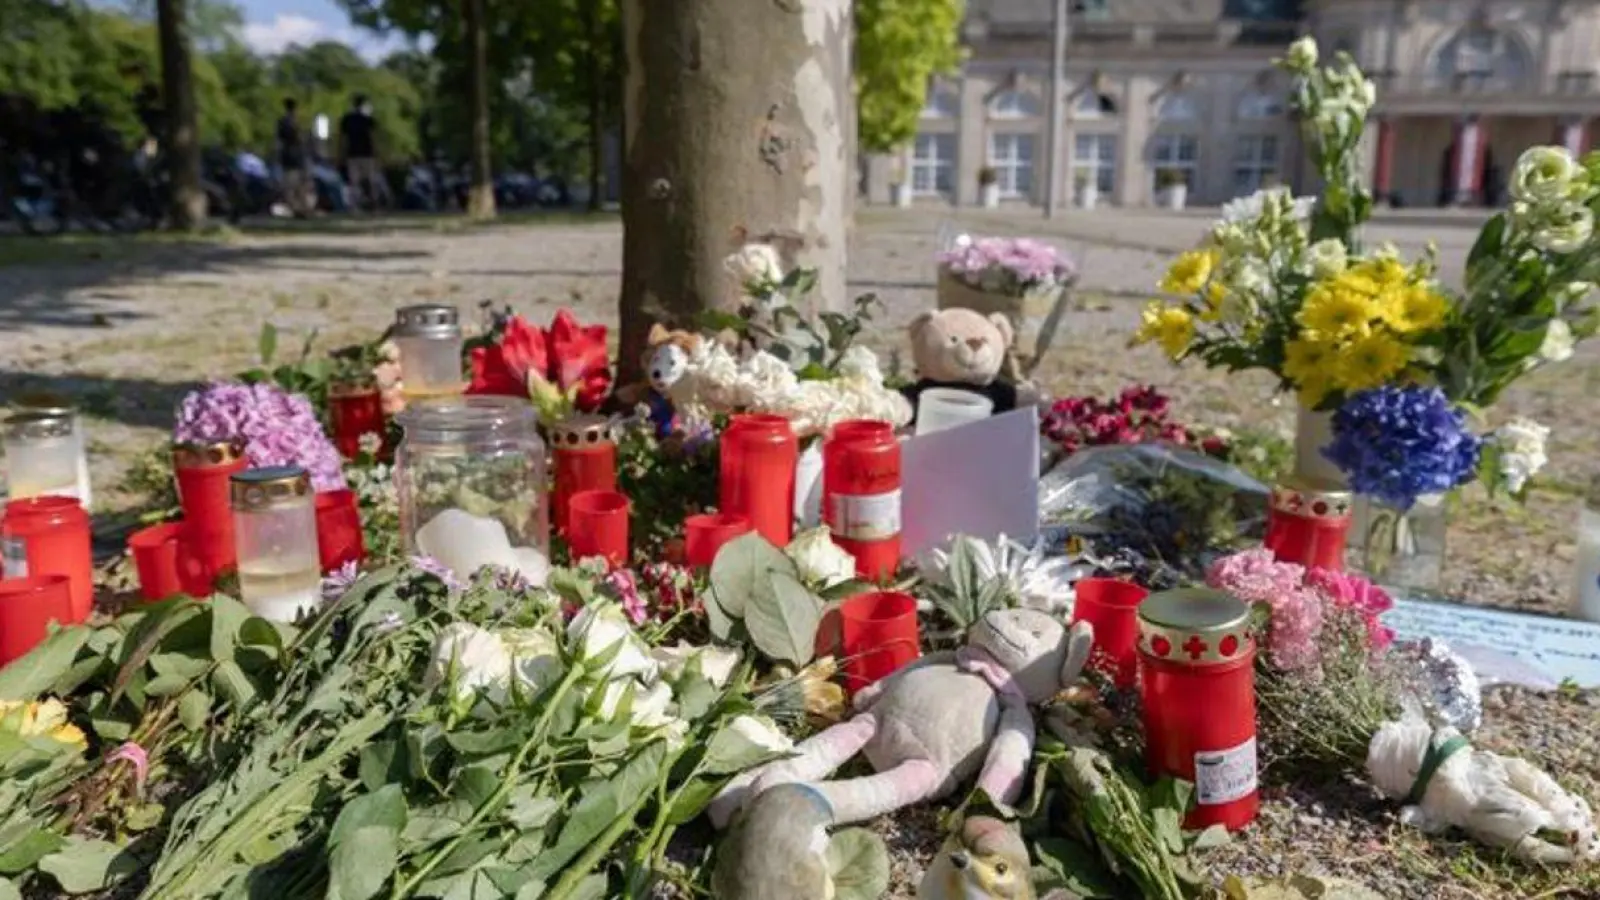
{"type": "Point", "coordinates": [932, 167]}
{"type": "Point", "coordinates": [1102, 162]}
{"type": "Point", "coordinates": [1178, 106]}
{"type": "Point", "coordinates": [1252, 165]}
{"type": "Point", "coordinates": [1258, 105]}
{"type": "Point", "coordinates": [1166, 152]}
{"type": "Point", "coordinates": [1014, 104]}
{"type": "Point", "coordinates": [1013, 170]}
{"type": "Point", "coordinates": [941, 103]}
{"type": "Point", "coordinates": [1086, 107]}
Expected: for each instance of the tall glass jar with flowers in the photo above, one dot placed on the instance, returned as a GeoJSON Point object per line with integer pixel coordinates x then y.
{"type": "Point", "coordinates": [1023, 279]}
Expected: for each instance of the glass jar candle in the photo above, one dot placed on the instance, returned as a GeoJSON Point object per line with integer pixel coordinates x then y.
{"type": "Point", "coordinates": [470, 475]}
{"type": "Point", "coordinates": [1586, 566]}
{"type": "Point", "coordinates": [275, 532]}
{"type": "Point", "coordinates": [429, 340]}
{"type": "Point", "coordinates": [45, 455]}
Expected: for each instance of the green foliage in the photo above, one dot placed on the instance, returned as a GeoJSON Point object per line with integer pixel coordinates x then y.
{"type": "Point", "coordinates": [667, 480]}
{"type": "Point", "coordinates": [756, 590]}
{"type": "Point", "coordinates": [901, 45]}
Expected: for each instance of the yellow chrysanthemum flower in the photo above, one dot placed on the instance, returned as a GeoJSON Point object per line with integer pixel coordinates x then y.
{"type": "Point", "coordinates": [1384, 271]}
{"type": "Point", "coordinates": [1313, 389]}
{"type": "Point", "coordinates": [1215, 294]}
{"type": "Point", "coordinates": [1336, 312]}
{"type": "Point", "coordinates": [1307, 357]}
{"type": "Point", "coordinates": [1417, 308]}
{"type": "Point", "coordinates": [1188, 273]}
{"type": "Point", "coordinates": [1170, 326]}
{"type": "Point", "coordinates": [1369, 361]}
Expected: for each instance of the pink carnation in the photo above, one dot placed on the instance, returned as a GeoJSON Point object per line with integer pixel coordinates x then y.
{"type": "Point", "coordinates": [1358, 595]}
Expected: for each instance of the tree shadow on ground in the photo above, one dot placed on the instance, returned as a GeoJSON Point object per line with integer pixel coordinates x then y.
{"type": "Point", "coordinates": [136, 402]}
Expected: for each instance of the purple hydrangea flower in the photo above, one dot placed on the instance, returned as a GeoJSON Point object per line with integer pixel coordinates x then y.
{"type": "Point", "coordinates": [1399, 443]}
{"type": "Point", "coordinates": [278, 428]}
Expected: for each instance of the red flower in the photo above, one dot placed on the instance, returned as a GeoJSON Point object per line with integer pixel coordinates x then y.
{"type": "Point", "coordinates": [578, 358]}
{"type": "Point", "coordinates": [504, 367]}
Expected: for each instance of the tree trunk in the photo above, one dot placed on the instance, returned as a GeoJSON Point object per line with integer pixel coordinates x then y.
{"type": "Point", "coordinates": [187, 202]}
{"type": "Point", "coordinates": [597, 124]}
{"type": "Point", "coordinates": [480, 197]}
{"type": "Point", "coordinates": [739, 127]}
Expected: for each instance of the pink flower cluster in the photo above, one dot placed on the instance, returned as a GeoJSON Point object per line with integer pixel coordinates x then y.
{"type": "Point", "coordinates": [278, 428]}
{"type": "Point", "coordinates": [670, 587]}
{"type": "Point", "coordinates": [1138, 415]}
{"type": "Point", "coordinates": [1299, 601]}
{"type": "Point", "coordinates": [1007, 265]}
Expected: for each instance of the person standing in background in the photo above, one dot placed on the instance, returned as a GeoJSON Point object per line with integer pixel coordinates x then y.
{"type": "Point", "coordinates": [358, 150]}
{"type": "Point", "coordinates": [292, 157]}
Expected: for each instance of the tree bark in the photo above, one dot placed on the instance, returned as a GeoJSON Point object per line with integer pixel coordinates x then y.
{"type": "Point", "coordinates": [187, 203]}
{"type": "Point", "coordinates": [597, 123]}
{"type": "Point", "coordinates": [480, 196]}
{"type": "Point", "coordinates": [739, 127]}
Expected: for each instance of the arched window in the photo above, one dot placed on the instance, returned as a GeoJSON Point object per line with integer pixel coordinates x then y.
{"type": "Point", "coordinates": [1177, 106]}
{"type": "Point", "coordinates": [1260, 105]}
{"type": "Point", "coordinates": [942, 103]}
{"type": "Point", "coordinates": [1014, 105]}
{"type": "Point", "coordinates": [1091, 104]}
{"type": "Point", "coordinates": [1481, 55]}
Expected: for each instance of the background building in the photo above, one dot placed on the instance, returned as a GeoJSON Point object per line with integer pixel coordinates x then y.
{"type": "Point", "coordinates": [1182, 93]}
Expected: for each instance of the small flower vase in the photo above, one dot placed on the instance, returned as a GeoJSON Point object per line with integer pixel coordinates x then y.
{"type": "Point", "coordinates": [1403, 549]}
{"type": "Point", "coordinates": [1313, 431]}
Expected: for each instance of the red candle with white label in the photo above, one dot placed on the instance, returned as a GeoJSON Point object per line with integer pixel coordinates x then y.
{"type": "Point", "coordinates": [1197, 682]}
{"type": "Point", "coordinates": [861, 495]}
{"type": "Point", "coordinates": [1308, 525]}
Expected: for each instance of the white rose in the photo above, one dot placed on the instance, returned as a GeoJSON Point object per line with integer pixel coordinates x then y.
{"type": "Point", "coordinates": [1302, 55]}
{"type": "Point", "coordinates": [767, 382]}
{"type": "Point", "coordinates": [535, 658]}
{"type": "Point", "coordinates": [477, 659]}
{"type": "Point", "coordinates": [599, 627]}
{"type": "Point", "coordinates": [1568, 229]}
{"type": "Point", "coordinates": [821, 562]}
{"type": "Point", "coordinates": [762, 733]}
{"type": "Point", "coordinates": [859, 362]}
{"type": "Point", "coordinates": [716, 663]}
{"type": "Point", "coordinates": [757, 267]}
{"type": "Point", "coordinates": [1544, 175]}
{"type": "Point", "coordinates": [1327, 257]}
{"type": "Point", "coordinates": [1558, 343]}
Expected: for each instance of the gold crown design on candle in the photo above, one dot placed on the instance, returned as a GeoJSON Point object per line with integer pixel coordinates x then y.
{"type": "Point", "coordinates": [579, 432]}
{"type": "Point", "coordinates": [1196, 626]}
{"type": "Point", "coordinates": [219, 453]}
{"type": "Point", "coordinates": [351, 389]}
{"type": "Point", "coordinates": [1298, 498]}
{"type": "Point", "coordinates": [255, 489]}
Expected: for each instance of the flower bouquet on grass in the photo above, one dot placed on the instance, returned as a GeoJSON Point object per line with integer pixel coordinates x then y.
{"type": "Point", "coordinates": [1285, 284]}
{"type": "Point", "coordinates": [1025, 280]}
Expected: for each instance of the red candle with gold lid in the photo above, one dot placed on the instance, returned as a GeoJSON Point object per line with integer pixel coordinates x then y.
{"type": "Point", "coordinates": [1308, 524]}
{"type": "Point", "coordinates": [1197, 683]}
{"type": "Point", "coordinates": [203, 472]}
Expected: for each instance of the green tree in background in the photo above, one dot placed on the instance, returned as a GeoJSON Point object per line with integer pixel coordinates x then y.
{"type": "Point", "coordinates": [900, 46]}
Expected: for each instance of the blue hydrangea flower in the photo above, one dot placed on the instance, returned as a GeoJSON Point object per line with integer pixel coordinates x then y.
{"type": "Point", "coordinates": [1399, 443]}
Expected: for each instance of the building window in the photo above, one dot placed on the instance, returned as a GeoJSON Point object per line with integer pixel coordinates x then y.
{"type": "Point", "coordinates": [1260, 105]}
{"type": "Point", "coordinates": [1093, 105]}
{"type": "Point", "coordinates": [1094, 10]}
{"type": "Point", "coordinates": [1176, 106]}
{"type": "Point", "coordinates": [1177, 154]}
{"type": "Point", "coordinates": [1255, 163]}
{"type": "Point", "coordinates": [1011, 157]}
{"type": "Point", "coordinates": [933, 164]}
{"type": "Point", "coordinates": [1094, 161]}
{"type": "Point", "coordinates": [1014, 105]}
{"type": "Point", "coordinates": [1481, 57]}
{"type": "Point", "coordinates": [941, 103]}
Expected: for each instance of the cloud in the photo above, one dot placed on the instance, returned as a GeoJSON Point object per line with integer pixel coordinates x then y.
{"type": "Point", "coordinates": [287, 28]}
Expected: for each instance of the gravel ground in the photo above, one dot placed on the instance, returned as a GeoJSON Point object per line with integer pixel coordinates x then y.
{"type": "Point", "coordinates": [125, 327]}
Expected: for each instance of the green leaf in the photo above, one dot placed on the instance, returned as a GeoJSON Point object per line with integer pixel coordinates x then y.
{"type": "Point", "coordinates": [696, 694]}
{"type": "Point", "coordinates": [860, 865]}
{"type": "Point", "coordinates": [37, 671]}
{"type": "Point", "coordinates": [693, 798]}
{"type": "Point", "coordinates": [361, 863]}
{"type": "Point", "coordinates": [593, 887]}
{"type": "Point", "coordinates": [1068, 864]}
{"type": "Point", "coordinates": [599, 806]}
{"type": "Point", "coordinates": [194, 708]}
{"type": "Point", "coordinates": [267, 343]}
{"type": "Point", "coordinates": [84, 865]}
{"type": "Point", "coordinates": [380, 764]}
{"type": "Point", "coordinates": [23, 849]}
{"type": "Point", "coordinates": [1210, 838]}
{"type": "Point", "coordinates": [530, 812]}
{"type": "Point", "coordinates": [474, 786]}
{"type": "Point", "coordinates": [383, 808]}
{"type": "Point", "coordinates": [730, 752]}
{"type": "Point", "coordinates": [743, 569]}
{"type": "Point", "coordinates": [165, 685]}
{"type": "Point", "coordinates": [783, 620]}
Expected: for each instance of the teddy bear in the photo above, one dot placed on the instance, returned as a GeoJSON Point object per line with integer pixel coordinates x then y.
{"type": "Point", "coordinates": [962, 349]}
{"type": "Point", "coordinates": [666, 358]}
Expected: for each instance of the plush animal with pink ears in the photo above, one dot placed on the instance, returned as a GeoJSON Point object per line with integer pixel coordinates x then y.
{"type": "Point", "coordinates": [933, 725]}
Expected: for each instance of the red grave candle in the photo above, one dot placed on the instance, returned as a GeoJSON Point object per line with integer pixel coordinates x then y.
{"type": "Point", "coordinates": [759, 455]}
{"type": "Point", "coordinates": [1197, 683]}
{"type": "Point", "coordinates": [878, 635]}
{"type": "Point", "coordinates": [1112, 607]}
{"type": "Point", "coordinates": [203, 472]}
{"type": "Point", "coordinates": [155, 557]}
{"type": "Point", "coordinates": [354, 411]}
{"type": "Point", "coordinates": [50, 536]}
{"type": "Point", "coordinates": [598, 526]}
{"type": "Point", "coordinates": [861, 495]}
{"type": "Point", "coordinates": [1308, 524]}
{"type": "Point", "coordinates": [339, 538]}
{"type": "Point", "coordinates": [704, 535]}
{"type": "Point", "coordinates": [27, 607]}
{"type": "Point", "coordinates": [584, 458]}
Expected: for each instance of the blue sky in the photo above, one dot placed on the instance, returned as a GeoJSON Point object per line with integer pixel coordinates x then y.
{"type": "Point", "coordinates": [271, 25]}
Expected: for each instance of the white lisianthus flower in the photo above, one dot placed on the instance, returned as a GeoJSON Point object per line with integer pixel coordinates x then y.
{"type": "Point", "coordinates": [757, 267]}
{"type": "Point", "coordinates": [1558, 342]}
{"type": "Point", "coordinates": [599, 627]}
{"type": "Point", "coordinates": [1544, 175]}
{"type": "Point", "coordinates": [821, 562]}
{"type": "Point", "coordinates": [716, 663]}
{"type": "Point", "coordinates": [859, 362]}
{"type": "Point", "coordinates": [767, 382]}
{"type": "Point", "coordinates": [1522, 451]}
{"type": "Point", "coordinates": [1573, 293]}
{"type": "Point", "coordinates": [1568, 228]}
{"type": "Point", "coordinates": [475, 657]}
{"type": "Point", "coordinates": [1249, 276]}
{"type": "Point", "coordinates": [1327, 257]}
{"type": "Point", "coordinates": [762, 733]}
{"type": "Point", "coordinates": [1369, 93]}
{"type": "Point", "coordinates": [1302, 55]}
{"type": "Point", "coordinates": [535, 658]}
{"type": "Point", "coordinates": [650, 706]}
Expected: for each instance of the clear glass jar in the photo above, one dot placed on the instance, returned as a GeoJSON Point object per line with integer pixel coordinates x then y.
{"type": "Point", "coordinates": [1403, 549]}
{"type": "Point", "coordinates": [428, 337]}
{"type": "Point", "coordinates": [45, 455]}
{"type": "Point", "coordinates": [470, 474]}
{"type": "Point", "coordinates": [275, 531]}
{"type": "Point", "coordinates": [1586, 562]}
